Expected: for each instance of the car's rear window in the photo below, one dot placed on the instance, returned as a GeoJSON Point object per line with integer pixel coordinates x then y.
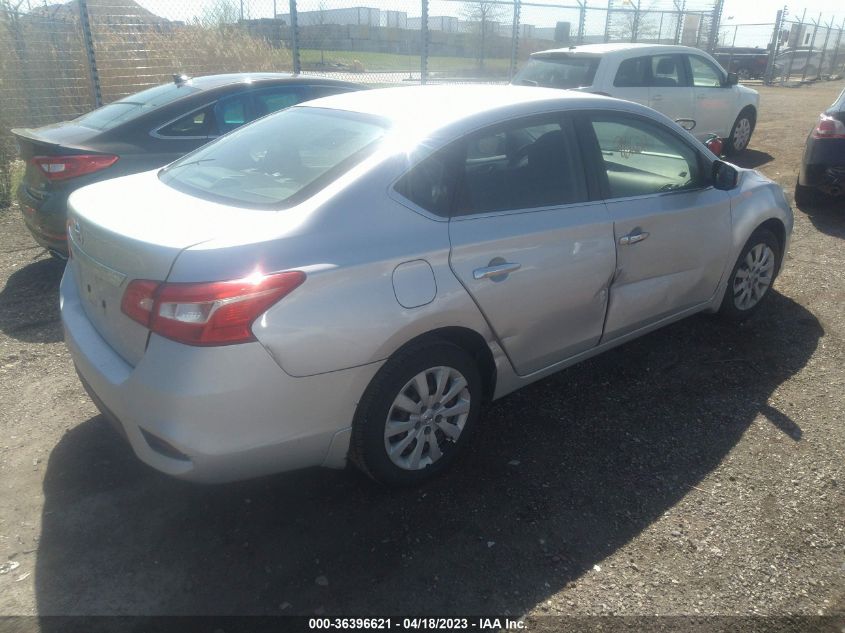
{"type": "Point", "coordinates": [279, 160]}
{"type": "Point", "coordinates": [134, 106]}
{"type": "Point", "coordinates": [566, 71]}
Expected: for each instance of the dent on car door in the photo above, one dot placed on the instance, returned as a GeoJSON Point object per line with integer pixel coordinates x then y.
{"type": "Point", "coordinates": [528, 246]}
{"type": "Point", "coordinates": [672, 229]}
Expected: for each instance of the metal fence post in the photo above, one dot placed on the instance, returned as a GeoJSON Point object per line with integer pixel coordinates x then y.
{"type": "Point", "coordinates": [716, 20]}
{"type": "Point", "coordinates": [800, 27]}
{"type": "Point", "coordinates": [812, 46]}
{"type": "Point", "coordinates": [88, 40]}
{"type": "Point", "coordinates": [424, 42]}
{"type": "Point", "coordinates": [835, 63]}
{"type": "Point", "coordinates": [635, 27]}
{"type": "Point", "coordinates": [294, 39]}
{"type": "Point", "coordinates": [582, 19]}
{"type": "Point", "coordinates": [824, 49]}
{"type": "Point", "coordinates": [680, 26]}
{"type": "Point", "coordinates": [731, 53]}
{"type": "Point", "coordinates": [514, 38]}
{"type": "Point", "coordinates": [773, 46]}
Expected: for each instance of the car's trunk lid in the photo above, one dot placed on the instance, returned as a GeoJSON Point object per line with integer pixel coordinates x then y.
{"type": "Point", "coordinates": [60, 139]}
{"type": "Point", "coordinates": [134, 228]}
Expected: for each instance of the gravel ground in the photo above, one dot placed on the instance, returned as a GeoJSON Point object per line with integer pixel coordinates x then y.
{"type": "Point", "coordinates": [698, 470]}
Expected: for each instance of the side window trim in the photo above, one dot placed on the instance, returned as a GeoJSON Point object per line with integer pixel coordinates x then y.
{"type": "Point", "coordinates": [156, 132]}
{"type": "Point", "coordinates": [592, 149]}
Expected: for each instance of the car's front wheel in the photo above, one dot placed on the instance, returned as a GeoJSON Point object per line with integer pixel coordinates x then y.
{"type": "Point", "coordinates": [741, 132]}
{"type": "Point", "coordinates": [752, 276]}
{"type": "Point", "coordinates": [417, 414]}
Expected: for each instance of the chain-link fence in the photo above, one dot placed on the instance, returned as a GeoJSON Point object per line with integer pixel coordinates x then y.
{"type": "Point", "coordinates": [60, 60]}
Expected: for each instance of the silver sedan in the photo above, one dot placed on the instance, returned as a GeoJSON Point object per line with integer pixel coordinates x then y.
{"type": "Point", "coordinates": [353, 278]}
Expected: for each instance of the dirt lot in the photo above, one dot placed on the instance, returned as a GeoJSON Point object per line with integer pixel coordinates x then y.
{"type": "Point", "coordinates": [699, 470]}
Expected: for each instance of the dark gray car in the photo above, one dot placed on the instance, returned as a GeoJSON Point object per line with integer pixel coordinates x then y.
{"type": "Point", "coordinates": [143, 131]}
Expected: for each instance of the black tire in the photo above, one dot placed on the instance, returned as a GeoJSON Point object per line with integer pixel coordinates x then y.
{"type": "Point", "coordinates": [732, 147]}
{"type": "Point", "coordinates": [367, 448]}
{"type": "Point", "coordinates": [729, 308]}
{"type": "Point", "coordinates": [58, 258]}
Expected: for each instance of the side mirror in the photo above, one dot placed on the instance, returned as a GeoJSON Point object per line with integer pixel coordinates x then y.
{"type": "Point", "coordinates": [732, 80]}
{"type": "Point", "coordinates": [725, 176]}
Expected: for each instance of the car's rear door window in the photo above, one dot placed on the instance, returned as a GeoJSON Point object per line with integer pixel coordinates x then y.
{"type": "Point", "coordinates": [198, 124]}
{"type": "Point", "coordinates": [232, 112]}
{"type": "Point", "coordinates": [666, 71]}
{"type": "Point", "coordinates": [520, 165]}
{"type": "Point", "coordinates": [633, 73]}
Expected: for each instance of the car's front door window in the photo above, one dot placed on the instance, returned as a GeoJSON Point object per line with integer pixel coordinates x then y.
{"type": "Point", "coordinates": [704, 74]}
{"type": "Point", "coordinates": [640, 158]}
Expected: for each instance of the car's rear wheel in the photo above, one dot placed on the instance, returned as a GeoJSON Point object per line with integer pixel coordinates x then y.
{"type": "Point", "coordinates": [751, 279]}
{"type": "Point", "coordinates": [417, 414]}
{"type": "Point", "coordinates": [741, 132]}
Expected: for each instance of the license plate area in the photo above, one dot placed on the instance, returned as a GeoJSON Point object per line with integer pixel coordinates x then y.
{"type": "Point", "coordinates": [99, 285]}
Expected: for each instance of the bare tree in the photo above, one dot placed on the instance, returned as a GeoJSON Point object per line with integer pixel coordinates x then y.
{"type": "Point", "coordinates": [635, 22]}
{"type": "Point", "coordinates": [482, 15]}
{"type": "Point", "coordinates": [220, 14]}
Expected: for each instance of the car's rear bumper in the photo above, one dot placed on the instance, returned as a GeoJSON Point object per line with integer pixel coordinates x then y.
{"type": "Point", "coordinates": [214, 414]}
{"type": "Point", "coordinates": [45, 219]}
{"type": "Point", "coordinates": [823, 166]}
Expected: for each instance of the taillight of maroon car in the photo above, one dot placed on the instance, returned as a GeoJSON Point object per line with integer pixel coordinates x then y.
{"type": "Point", "coordinates": [73, 165]}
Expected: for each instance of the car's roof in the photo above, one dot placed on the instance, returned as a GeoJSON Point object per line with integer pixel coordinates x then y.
{"type": "Point", "coordinates": [431, 107]}
{"type": "Point", "coordinates": [616, 48]}
{"type": "Point", "coordinates": [210, 82]}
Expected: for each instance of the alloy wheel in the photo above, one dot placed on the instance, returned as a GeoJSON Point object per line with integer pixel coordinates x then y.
{"type": "Point", "coordinates": [742, 134]}
{"type": "Point", "coordinates": [427, 415]}
{"type": "Point", "coordinates": [753, 277]}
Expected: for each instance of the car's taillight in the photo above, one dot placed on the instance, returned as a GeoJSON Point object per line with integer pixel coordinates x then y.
{"type": "Point", "coordinates": [829, 127]}
{"type": "Point", "coordinates": [213, 313]}
{"type": "Point", "coordinates": [64, 167]}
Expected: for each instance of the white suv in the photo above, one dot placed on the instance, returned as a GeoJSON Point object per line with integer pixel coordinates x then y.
{"type": "Point", "coordinates": [679, 81]}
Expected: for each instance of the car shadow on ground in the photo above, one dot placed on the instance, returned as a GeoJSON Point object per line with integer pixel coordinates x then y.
{"type": "Point", "coordinates": [752, 159]}
{"type": "Point", "coordinates": [29, 302]}
{"type": "Point", "coordinates": [560, 475]}
{"type": "Point", "coordinates": [827, 216]}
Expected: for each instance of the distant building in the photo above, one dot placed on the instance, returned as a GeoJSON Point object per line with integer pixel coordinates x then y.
{"type": "Point", "coordinates": [355, 15]}
{"type": "Point", "coordinates": [394, 19]}
{"type": "Point", "coordinates": [445, 23]}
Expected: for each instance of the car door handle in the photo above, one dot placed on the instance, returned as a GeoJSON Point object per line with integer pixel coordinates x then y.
{"type": "Point", "coordinates": [496, 270]}
{"type": "Point", "coordinates": [632, 238]}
